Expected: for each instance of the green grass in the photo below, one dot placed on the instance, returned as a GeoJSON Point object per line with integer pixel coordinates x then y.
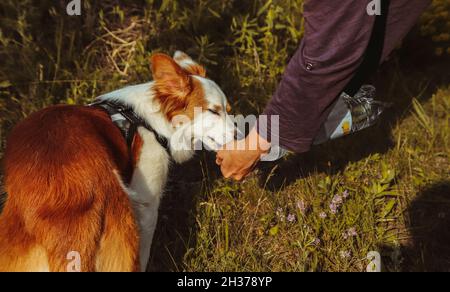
{"type": "Point", "coordinates": [396, 174]}
{"type": "Point", "coordinates": [243, 226]}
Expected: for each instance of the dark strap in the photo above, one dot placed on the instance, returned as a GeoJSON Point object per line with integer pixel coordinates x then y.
{"type": "Point", "coordinates": [2, 200]}
{"type": "Point", "coordinates": [374, 52]}
{"type": "Point", "coordinates": [132, 122]}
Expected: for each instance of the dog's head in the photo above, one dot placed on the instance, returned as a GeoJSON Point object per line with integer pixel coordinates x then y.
{"type": "Point", "coordinates": [195, 106]}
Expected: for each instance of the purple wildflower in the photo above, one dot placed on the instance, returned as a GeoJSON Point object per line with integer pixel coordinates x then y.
{"type": "Point", "coordinates": [346, 194]}
{"type": "Point", "coordinates": [280, 214]}
{"type": "Point", "coordinates": [346, 254]}
{"type": "Point", "coordinates": [323, 215]}
{"type": "Point", "coordinates": [352, 232]}
{"type": "Point", "coordinates": [317, 242]}
{"type": "Point", "coordinates": [337, 200]}
{"type": "Point", "coordinates": [291, 218]}
{"type": "Point", "coordinates": [334, 208]}
{"type": "Point", "coordinates": [302, 207]}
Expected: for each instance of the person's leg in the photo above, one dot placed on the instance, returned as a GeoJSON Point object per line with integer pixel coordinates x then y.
{"type": "Point", "coordinates": [403, 15]}
{"type": "Point", "coordinates": [337, 35]}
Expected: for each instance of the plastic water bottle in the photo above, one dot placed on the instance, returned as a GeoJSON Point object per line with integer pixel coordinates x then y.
{"type": "Point", "coordinates": [350, 114]}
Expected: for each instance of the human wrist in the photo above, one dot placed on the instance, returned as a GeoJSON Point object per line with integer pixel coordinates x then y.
{"type": "Point", "coordinates": [258, 143]}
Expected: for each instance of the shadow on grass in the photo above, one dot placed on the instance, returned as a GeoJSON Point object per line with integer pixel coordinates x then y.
{"type": "Point", "coordinates": [429, 224]}
{"type": "Point", "coordinates": [175, 233]}
{"type": "Point", "coordinates": [428, 221]}
{"type": "Point", "coordinates": [411, 74]}
{"type": "Point", "coordinates": [397, 82]}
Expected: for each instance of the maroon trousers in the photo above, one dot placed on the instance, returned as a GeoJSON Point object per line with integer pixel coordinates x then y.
{"type": "Point", "coordinates": [337, 35]}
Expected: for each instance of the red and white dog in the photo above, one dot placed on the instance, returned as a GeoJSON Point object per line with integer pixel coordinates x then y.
{"type": "Point", "coordinates": [74, 186]}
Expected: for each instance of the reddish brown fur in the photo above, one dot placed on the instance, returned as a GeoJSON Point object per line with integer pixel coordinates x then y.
{"type": "Point", "coordinates": [193, 69]}
{"type": "Point", "coordinates": [173, 107]}
{"type": "Point", "coordinates": [138, 143]}
{"type": "Point", "coordinates": [196, 70]}
{"type": "Point", "coordinates": [177, 92]}
{"type": "Point", "coordinates": [61, 174]}
{"type": "Point", "coordinates": [63, 194]}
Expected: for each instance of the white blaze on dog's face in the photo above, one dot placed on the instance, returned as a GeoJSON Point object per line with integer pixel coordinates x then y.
{"type": "Point", "coordinates": [213, 125]}
{"type": "Point", "coordinates": [194, 104]}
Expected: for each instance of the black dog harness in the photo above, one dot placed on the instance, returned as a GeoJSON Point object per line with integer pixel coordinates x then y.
{"type": "Point", "coordinates": [128, 122]}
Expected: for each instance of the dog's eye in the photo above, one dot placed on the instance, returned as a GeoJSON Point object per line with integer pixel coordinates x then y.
{"type": "Point", "coordinates": [214, 112]}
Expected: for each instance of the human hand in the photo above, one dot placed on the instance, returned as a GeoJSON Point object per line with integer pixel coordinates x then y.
{"type": "Point", "coordinates": [238, 159]}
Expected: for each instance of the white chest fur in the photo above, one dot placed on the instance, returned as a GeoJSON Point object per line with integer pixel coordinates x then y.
{"type": "Point", "coordinates": [147, 186]}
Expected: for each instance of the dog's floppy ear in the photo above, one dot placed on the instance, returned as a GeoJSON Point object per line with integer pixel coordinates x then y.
{"type": "Point", "coordinates": [170, 76]}
{"type": "Point", "coordinates": [188, 64]}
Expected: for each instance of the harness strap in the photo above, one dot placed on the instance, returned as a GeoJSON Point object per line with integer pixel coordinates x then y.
{"type": "Point", "coordinates": [128, 122]}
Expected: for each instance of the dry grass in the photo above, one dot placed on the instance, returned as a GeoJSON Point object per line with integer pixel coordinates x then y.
{"type": "Point", "coordinates": [245, 227]}
{"type": "Point", "coordinates": [396, 174]}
